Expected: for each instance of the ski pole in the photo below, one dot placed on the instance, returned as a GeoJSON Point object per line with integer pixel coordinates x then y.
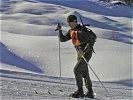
{"type": "Point", "coordinates": [95, 74]}
{"type": "Point", "coordinates": [59, 51]}
{"type": "Point", "coordinates": [60, 62]}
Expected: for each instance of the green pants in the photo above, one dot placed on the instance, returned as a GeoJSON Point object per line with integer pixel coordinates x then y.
{"type": "Point", "coordinates": [81, 71]}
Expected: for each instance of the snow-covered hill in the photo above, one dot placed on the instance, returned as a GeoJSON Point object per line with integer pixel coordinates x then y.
{"type": "Point", "coordinates": [30, 45]}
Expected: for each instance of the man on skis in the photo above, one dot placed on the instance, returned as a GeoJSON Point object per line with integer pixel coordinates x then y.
{"type": "Point", "coordinates": [84, 47]}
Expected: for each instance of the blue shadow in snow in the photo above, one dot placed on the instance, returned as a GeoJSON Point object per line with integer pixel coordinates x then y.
{"type": "Point", "coordinates": [124, 38]}
{"type": "Point", "coordinates": [100, 24]}
{"type": "Point", "coordinates": [84, 5]}
{"type": "Point", "coordinates": [128, 82]}
{"type": "Point", "coordinates": [10, 58]}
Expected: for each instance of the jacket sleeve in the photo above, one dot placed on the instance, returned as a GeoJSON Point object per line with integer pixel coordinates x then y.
{"type": "Point", "coordinates": [65, 37]}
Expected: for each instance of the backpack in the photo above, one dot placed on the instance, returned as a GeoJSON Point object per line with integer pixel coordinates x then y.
{"type": "Point", "coordinates": [91, 35]}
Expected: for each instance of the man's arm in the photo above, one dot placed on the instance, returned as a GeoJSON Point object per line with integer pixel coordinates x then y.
{"type": "Point", "coordinates": [65, 37]}
{"type": "Point", "coordinates": [88, 47]}
{"type": "Point", "coordinates": [62, 37]}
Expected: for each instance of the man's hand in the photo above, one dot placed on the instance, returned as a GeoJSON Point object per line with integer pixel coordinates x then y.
{"type": "Point", "coordinates": [81, 52]}
{"type": "Point", "coordinates": [58, 28]}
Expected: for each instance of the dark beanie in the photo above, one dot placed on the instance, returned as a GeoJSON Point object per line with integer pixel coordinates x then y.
{"type": "Point", "coordinates": [71, 18]}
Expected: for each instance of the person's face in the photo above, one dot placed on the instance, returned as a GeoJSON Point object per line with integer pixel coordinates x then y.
{"type": "Point", "coordinates": [72, 24]}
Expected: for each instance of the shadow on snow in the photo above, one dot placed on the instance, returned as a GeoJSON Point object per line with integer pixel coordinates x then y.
{"type": "Point", "coordinates": [10, 58]}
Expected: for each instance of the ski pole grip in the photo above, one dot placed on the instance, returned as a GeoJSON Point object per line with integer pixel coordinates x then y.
{"type": "Point", "coordinates": [58, 26]}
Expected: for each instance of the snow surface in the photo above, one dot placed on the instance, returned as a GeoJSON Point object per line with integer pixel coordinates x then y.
{"type": "Point", "coordinates": [30, 48]}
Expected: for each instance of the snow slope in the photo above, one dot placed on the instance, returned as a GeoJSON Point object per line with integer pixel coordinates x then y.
{"type": "Point", "coordinates": [29, 43]}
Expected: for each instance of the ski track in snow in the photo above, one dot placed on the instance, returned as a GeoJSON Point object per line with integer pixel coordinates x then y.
{"type": "Point", "coordinates": [24, 86]}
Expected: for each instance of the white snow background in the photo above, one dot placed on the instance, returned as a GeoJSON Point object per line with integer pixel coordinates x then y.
{"type": "Point", "coordinates": [30, 49]}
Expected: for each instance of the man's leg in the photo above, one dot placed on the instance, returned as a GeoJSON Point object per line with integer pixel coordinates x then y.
{"type": "Point", "coordinates": [86, 77]}
{"type": "Point", "coordinates": [87, 80]}
{"type": "Point", "coordinates": [78, 76]}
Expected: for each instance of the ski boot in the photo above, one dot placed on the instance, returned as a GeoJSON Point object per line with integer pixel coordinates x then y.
{"type": "Point", "coordinates": [89, 95]}
{"type": "Point", "coordinates": [78, 94]}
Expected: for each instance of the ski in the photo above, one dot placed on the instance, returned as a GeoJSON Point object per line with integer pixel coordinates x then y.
{"type": "Point", "coordinates": [86, 98]}
{"type": "Point", "coordinates": [66, 96]}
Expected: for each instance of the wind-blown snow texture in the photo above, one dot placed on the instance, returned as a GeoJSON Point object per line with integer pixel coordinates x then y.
{"type": "Point", "coordinates": [30, 48]}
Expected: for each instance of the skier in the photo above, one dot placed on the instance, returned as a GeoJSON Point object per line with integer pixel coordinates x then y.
{"type": "Point", "coordinates": [84, 48]}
